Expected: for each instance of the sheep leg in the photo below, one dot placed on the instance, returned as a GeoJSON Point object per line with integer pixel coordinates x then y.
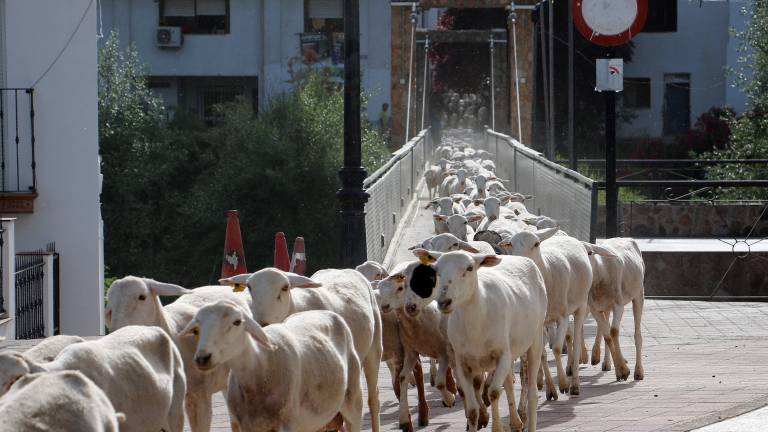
{"type": "Point", "coordinates": [418, 373]}
{"type": "Point", "coordinates": [478, 383]}
{"type": "Point", "coordinates": [524, 371]}
{"type": "Point", "coordinates": [584, 358]}
{"type": "Point", "coordinates": [562, 327]}
{"type": "Point", "coordinates": [471, 405]}
{"type": "Point", "coordinates": [199, 411]}
{"type": "Point", "coordinates": [405, 416]}
{"type": "Point", "coordinates": [449, 381]}
{"type": "Point", "coordinates": [578, 332]}
{"type": "Point", "coordinates": [395, 366]}
{"type": "Point", "coordinates": [503, 369]}
{"type": "Point", "coordinates": [637, 312]}
{"type": "Point", "coordinates": [534, 362]}
{"type": "Point", "coordinates": [622, 370]}
{"type": "Point", "coordinates": [442, 377]}
{"type": "Point", "coordinates": [551, 390]}
{"type": "Point", "coordinates": [598, 336]}
{"type": "Point", "coordinates": [371, 370]}
{"type": "Point", "coordinates": [352, 408]}
{"type": "Point", "coordinates": [515, 422]}
{"type": "Point", "coordinates": [603, 330]}
{"type": "Point", "coordinates": [432, 371]}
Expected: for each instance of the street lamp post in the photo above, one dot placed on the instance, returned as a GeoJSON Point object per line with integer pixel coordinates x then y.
{"type": "Point", "coordinates": [352, 197]}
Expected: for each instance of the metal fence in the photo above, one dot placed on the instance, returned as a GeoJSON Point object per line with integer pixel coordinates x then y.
{"type": "Point", "coordinates": [3, 310]}
{"type": "Point", "coordinates": [30, 292]}
{"type": "Point", "coordinates": [391, 189]}
{"type": "Point", "coordinates": [17, 140]}
{"type": "Point", "coordinates": [560, 193]}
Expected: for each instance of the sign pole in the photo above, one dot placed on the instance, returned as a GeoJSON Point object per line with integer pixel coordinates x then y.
{"type": "Point", "coordinates": [611, 191]}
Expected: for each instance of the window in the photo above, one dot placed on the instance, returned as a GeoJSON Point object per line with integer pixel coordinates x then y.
{"type": "Point", "coordinates": [209, 97]}
{"type": "Point", "coordinates": [196, 16]}
{"type": "Point", "coordinates": [662, 16]}
{"type": "Point", "coordinates": [324, 27]}
{"type": "Point", "coordinates": [677, 104]}
{"type": "Point", "coordinates": [637, 93]}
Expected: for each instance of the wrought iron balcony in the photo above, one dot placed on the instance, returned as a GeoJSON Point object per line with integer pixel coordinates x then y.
{"type": "Point", "coordinates": [18, 178]}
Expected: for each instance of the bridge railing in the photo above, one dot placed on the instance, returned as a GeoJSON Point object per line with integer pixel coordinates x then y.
{"type": "Point", "coordinates": [391, 189]}
{"type": "Point", "coordinates": [560, 193]}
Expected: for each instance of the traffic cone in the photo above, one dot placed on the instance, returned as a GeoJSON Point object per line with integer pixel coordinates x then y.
{"type": "Point", "coordinates": [233, 262]}
{"type": "Point", "coordinates": [299, 259]}
{"type": "Point", "coordinates": [281, 252]}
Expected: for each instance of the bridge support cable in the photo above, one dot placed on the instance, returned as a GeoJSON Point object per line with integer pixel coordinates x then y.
{"type": "Point", "coordinates": [424, 83]}
{"type": "Point", "coordinates": [493, 88]}
{"type": "Point", "coordinates": [513, 19]}
{"type": "Point", "coordinates": [414, 18]}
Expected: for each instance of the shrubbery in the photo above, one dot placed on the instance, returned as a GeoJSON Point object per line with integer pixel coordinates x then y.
{"type": "Point", "coordinates": [167, 185]}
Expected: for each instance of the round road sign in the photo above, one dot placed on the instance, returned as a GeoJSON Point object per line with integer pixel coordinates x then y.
{"type": "Point", "coordinates": [610, 22]}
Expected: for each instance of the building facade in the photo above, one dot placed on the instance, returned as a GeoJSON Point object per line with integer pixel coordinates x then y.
{"type": "Point", "coordinates": [679, 66]}
{"type": "Point", "coordinates": [203, 52]}
{"type": "Point", "coordinates": [50, 173]}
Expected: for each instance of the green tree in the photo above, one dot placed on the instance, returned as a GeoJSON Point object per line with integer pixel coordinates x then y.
{"type": "Point", "coordinates": [749, 131]}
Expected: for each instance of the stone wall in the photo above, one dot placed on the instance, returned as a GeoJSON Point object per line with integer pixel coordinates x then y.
{"type": "Point", "coordinates": [659, 220]}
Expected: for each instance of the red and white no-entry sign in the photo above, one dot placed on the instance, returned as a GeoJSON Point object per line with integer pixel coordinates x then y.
{"type": "Point", "coordinates": [610, 22]}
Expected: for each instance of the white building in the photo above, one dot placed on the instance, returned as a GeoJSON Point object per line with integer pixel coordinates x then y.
{"type": "Point", "coordinates": [678, 68]}
{"type": "Point", "coordinates": [202, 52]}
{"type": "Point", "coordinates": [49, 46]}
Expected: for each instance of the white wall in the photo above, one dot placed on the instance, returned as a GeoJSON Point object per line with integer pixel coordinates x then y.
{"type": "Point", "coordinates": [698, 47]}
{"type": "Point", "coordinates": [67, 208]}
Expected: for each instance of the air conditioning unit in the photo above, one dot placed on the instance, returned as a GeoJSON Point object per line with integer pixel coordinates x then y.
{"type": "Point", "coordinates": [169, 37]}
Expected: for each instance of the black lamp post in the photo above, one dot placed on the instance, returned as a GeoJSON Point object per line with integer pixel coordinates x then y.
{"type": "Point", "coordinates": [352, 197]}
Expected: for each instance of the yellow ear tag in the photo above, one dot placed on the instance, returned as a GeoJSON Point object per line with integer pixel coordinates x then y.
{"type": "Point", "coordinates": [238, 287]}
{"type": "Point", "coordinates": [424, 259]}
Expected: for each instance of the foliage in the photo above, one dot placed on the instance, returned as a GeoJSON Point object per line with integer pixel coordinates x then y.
{"type": "Point", "coordinates": [749, 132]}
{"type": "Point", "coordinates": [168, 186]}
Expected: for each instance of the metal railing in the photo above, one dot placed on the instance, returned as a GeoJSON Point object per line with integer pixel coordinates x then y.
{"type": "Point", "coordinates": [17, 140]}
{"type": "Point", "coordinates": [3, 310]}
{"type": "Point", "coordinates": [391, 189]}
{"type": "Point", "coordinates": [560, 193]}
{"type": "Point", "coordinates": [30, 292]}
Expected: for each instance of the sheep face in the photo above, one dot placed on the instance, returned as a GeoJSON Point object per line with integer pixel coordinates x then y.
{"type": "Point", "coordinates": [222, 330]}
{"type": "Point", "coordinates": [271, 293]}
{"type": "Point", "coordinates": [13, 366]}
{"type": "Point", "coordinates": [421, 289]}
{"type": "Point", "coordinates": [457, 277]}
{"type": "Point", "coordinates": [372, 271]}
{"type": "Point", "coordinates": [526, 243]}
{"type": "Point", "coordinates": [392, 291]}
{"type": "Point", "coordinates": [447, 243]}
{"type": "Point", "coordinates": [134, 301]}
{"type": "Point", "coordinates": [492, 208]}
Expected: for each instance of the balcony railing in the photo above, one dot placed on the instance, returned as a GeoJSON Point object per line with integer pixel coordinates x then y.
{"type": "Point", "coordinates": [18, 177]}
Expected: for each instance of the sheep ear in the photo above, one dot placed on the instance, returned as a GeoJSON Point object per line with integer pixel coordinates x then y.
{"type": "Point", "coordinates": [187, 331]}
{"type": "Point", "coordinates": [375, 284]}
{"type": "Point", "coordinates": [257, 333]}
{"type": "Point", "coordinates": [486, 260]}
{"type": "Point", "coordinates": [426, 256]}
{"type": "Point", "coordinates": [441, 218]}
{"type": "Point", "coordinates": [599, 250]}
{"type": "Point", "coordinates": [298, 281]}
{"type": "Point", "coordinates": [238, 283]}
{"type": "Point", "coordinates": [430, 204]}
{"type": "Point", "coordinates": [475, 218]}
{"type": "Point", "coordinates": [505, 199]}
{"type": "Point", "coordinates": [547, 233]}
{"type": "Point", "coordinates": [467, 247]}
{"type": "Point", "coordinates": [165, 289]}
{"type": "Point", "coordinates": [397, 278]}
{"type": "Point", "coordinates": [120, 417]}
{"type": "Point", "coordinates": [107, 318]}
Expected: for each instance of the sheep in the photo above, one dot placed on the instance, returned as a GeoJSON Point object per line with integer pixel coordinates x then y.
{"type": "Point", "coordinates": [274, 384]}
{"type": "Point", "coordinates": [372, 271]}
{"type": "Point", "coordinates": [446, 206]}
{"type": "Point", "coordinates": [50, 347]}
{"type": "Point", "coordinates": [496, 308]}
{"type": "Point", "coordinates": [420, 334]}
{"type": "Point", "coordinates": [434, 176]}
{"type": "Point", "coordinates": [619, 272]}
{"type": "Point", "coordinates": [66, 401]}
{"type": "Point", "coordinates": [458, 225]}
{"type": "Point", "coordinates": [345, 292]}
{"type": "Point", "coordinates": [136, 301]}
{"type": "Point", "coordinates": [567, 273]}
{"type": "Point", "coordinates": [449, 242]}
{"type": "Point", "coordinates": [139, 368]}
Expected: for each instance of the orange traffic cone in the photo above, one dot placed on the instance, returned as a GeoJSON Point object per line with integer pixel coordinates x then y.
{"type": "Point", "coordinates": [233, 262]}
{"type": "Point", "coordinates": [299, 260]}
{"type": "Point", "coordinates": [281, 252]}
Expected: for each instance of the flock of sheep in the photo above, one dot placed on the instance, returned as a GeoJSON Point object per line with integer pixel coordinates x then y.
{"type": "Point", "coordinates": [494, 284]}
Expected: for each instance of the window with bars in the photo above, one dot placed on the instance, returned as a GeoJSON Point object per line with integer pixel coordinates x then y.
{"type": "Point", "coordinates": [662, 16]}
{"type": "Point", "coordinates": [196, 16]}
{"type": "Point", "coordinates": [324, 27]}
{"type": "Point", "coordinates": [637, 93]}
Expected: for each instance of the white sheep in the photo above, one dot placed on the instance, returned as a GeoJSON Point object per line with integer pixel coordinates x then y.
{"type": "Point", "coordinates": [619, 272]}
{"type": "Point", "coordinates": [136, 301]}
{"type": "Point", "coordinates": [459, 225]}
{"type": "Point", "coordinates": [496, 306]}
{"type": "Point", "coordinates": [567, 272]}
{"type": "Point", "coordinates": [291, 376]}
{"type": "Point", "coordinates": [57, 401]}
{"type": "Point", "coordinates": [139, 368]}
{"type": "Point", "coordinates": [277, 294]}
{"type": "Point", "coordinates": [50, 347]}
{"type": "Point", "coordinates": [448, 242]}
{"type": "Point", "coordinates": [372, 271]}
{"type": "Point", "coordinates": [420, 333]}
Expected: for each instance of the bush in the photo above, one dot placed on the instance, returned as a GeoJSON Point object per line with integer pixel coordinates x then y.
{"type": "Point", "coordinates": [170, 186]}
